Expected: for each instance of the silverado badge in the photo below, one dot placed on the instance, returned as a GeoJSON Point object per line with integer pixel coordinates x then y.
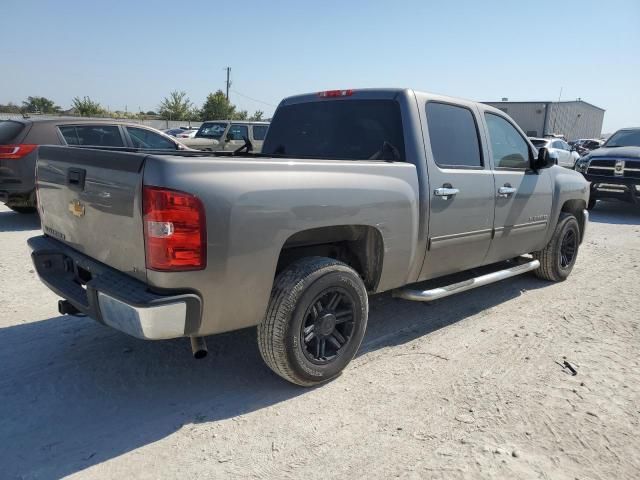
{"type": "Point", "coordinates": [618, 170]}
{"type": "Point", "coordinates": [77, 208]}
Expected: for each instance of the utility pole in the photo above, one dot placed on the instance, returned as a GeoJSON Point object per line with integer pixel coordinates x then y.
{"type": "Point", "coordinates": [228, 69]}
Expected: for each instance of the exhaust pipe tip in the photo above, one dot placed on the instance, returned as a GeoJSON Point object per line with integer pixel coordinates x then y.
{"type": "Point", "coordinates": [198, 347]}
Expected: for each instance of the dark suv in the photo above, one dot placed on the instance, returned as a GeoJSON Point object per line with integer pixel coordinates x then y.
{"type": "Point", "coordinates": [19, 140]}
{"type": "Point", "coordinates": [614, 168]}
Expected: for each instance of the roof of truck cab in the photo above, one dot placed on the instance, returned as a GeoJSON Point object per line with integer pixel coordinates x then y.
{"type": "Point", "coordinates": [386, 93]}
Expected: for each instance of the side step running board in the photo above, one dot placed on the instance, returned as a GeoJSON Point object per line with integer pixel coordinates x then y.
{"type": "Point", "coordinates": [435, 293]}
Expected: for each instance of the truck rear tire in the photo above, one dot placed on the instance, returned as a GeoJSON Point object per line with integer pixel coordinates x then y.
{"type": "Point", "coordinates": [559, 256]}
{"type": "Point", "coordinates": [315, 322]}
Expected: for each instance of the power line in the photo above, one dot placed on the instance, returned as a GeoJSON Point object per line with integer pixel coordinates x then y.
{"type": "Point", "coordinates": [254, 99]}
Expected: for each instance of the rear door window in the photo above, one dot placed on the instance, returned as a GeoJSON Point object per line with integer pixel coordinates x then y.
{"type": "Point", "coordinates": [92, 135]}
{"type": "Point", "coordinates": [259, 132]}
{"type": "Point", "coordinates": [9, 131]}
{"type": "Point", "coordinates": [337, 129]}
{"type": "Point", "coordinates": [143, 138]}
{"type": "Point", "coordinates": [508, 148]}
{"type": "Point", "coordinates": [454, 136]}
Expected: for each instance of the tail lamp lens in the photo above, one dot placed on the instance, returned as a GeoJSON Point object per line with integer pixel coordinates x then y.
{"type": "Point", "coordinates": [174, 230]}
{"type": "Point", "coordinates": [16, 152]}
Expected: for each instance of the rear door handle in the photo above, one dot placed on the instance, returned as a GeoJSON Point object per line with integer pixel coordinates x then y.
{"type": "Point", "coordinates": [446, 192]}
{"type": "Point", "coordinates": [506, 191]}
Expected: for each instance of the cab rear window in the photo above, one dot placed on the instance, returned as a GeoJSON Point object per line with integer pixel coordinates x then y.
{"type": "Point", "coordinates": [9, 131]}
{"type": "Point", "coordinates": [338, 129]}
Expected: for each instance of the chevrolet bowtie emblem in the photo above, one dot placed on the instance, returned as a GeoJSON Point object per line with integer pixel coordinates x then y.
{"type": "Point", "coordinates": [77, 208]}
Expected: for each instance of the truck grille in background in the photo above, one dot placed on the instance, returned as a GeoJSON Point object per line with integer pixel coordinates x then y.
{"type": "Point", "coordinates": [606, 167]}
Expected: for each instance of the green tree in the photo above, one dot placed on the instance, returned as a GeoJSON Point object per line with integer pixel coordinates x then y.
{"type": "Point", "coordinates": [241, 115]}
{"type": "Point", "coordinates": [257, 116]}
{"type": "Point", "coordinates": [9, 108]}
{"type": "Point", "coordinates": [176, 106]}
{"type": "Point", "coordinates": [39, 105]}
{"type": "Point", "coordinates": [87, 107]}
{"type": "Point", "coordinates": [217, 107]}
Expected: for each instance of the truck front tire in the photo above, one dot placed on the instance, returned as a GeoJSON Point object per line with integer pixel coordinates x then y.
{"type": "Point", "coordinates": [559, 256]}
{"type": "Point", "coordinates": [315, 322]}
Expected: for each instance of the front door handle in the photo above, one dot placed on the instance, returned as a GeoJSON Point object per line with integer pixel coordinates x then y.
{"type": "Point", "coordinates": [506, 191]}
{"type": "Point", "coordinates": [446, 192]}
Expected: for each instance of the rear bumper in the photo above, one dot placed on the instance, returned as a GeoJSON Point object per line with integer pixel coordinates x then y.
{"type": "Point", "coordinates": [622, 188]}
{"type": "Point", "coordinates": [112, 297]}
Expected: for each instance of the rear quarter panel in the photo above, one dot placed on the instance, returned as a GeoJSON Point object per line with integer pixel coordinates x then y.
{"type": "Point", "coordinates": [254, 205]}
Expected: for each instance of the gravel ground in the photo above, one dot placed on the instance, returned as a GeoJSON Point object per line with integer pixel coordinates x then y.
{"type": "Point", "coordinates": [470, 386]}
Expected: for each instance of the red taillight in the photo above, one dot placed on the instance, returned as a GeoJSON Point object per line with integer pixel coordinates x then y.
{"type": "Point", "coordinates": [16, 152]}
{"type": "Point", "coordinates": [336, 93]}
{"type": "Point", "coordinates": [174, 230]}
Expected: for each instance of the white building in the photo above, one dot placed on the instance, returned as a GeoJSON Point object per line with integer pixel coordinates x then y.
{"type": "Point", "coordinates": [574, 119]}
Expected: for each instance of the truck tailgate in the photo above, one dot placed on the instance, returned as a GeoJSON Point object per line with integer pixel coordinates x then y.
{"type": "Point", "coordinates": [91, 200]}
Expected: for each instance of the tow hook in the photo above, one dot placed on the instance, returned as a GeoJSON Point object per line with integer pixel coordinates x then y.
{"type": "Point", "coordinates": [199, 347]}
{"type": "Point", "coordinates": [66, 308]}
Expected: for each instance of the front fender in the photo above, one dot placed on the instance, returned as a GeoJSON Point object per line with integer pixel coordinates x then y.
{"type": "Point", "coordinates": [570, 193]}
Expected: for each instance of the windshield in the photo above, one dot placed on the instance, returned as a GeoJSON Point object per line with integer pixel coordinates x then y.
{"type": "Point", "coordinates": [624, 138]}
{"type": "Point", "coordinates": [338, 129]}
{"type": "Point", "coordinates": [212, 130]}
{"type": "Point", "coordinates": [539, 143]}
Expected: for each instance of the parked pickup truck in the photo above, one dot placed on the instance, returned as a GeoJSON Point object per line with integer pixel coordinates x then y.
{"type": "Point", "coordinates": [614, 168]}
{"type": "Point", "coordinates": [356, 192]}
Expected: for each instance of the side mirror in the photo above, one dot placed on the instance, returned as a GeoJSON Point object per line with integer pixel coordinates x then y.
{"type": "Point", "coordinates": [180, 146]}
{"type": "Point", "coordinates": [545, 159]}
{"type": "Point", "coordinates": [229, 137]}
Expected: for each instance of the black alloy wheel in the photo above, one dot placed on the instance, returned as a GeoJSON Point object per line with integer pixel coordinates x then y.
{"type": "Point", "coordinates": [328, 325]}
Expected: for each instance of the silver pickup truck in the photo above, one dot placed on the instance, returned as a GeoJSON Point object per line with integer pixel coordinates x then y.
{"type": "Point", "coordinates": [356, 192]}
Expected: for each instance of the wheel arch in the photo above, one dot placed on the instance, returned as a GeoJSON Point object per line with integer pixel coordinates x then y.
{"type": "Point", "coordinates": [359, 246]}
{"type": "Point", "coordinates": [575, 207]}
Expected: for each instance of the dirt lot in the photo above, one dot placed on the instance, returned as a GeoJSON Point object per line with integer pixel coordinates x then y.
{"type": "Point", "coordinates": [470, 386]}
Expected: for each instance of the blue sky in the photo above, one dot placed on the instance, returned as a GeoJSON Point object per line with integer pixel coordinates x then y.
{"type": "Point", "coordinates": [134, 53]}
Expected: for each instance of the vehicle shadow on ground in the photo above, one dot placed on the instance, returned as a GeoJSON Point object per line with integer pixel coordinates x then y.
{"type": "Point", "coordinates": [619, 213]}
{"type": "Point", "coordinates": [74, 393]}
{"type": "Point", "coordinates": [11, 221]}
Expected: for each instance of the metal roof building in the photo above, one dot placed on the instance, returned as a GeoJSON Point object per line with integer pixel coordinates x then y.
{"type": "Point", "coordinates": [573, 119]}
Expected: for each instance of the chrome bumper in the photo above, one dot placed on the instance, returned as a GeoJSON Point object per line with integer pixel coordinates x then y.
{"type": "Point", "coordinates": [149, 323]}
{"type": "Point", "coordinates": [112, 297]}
